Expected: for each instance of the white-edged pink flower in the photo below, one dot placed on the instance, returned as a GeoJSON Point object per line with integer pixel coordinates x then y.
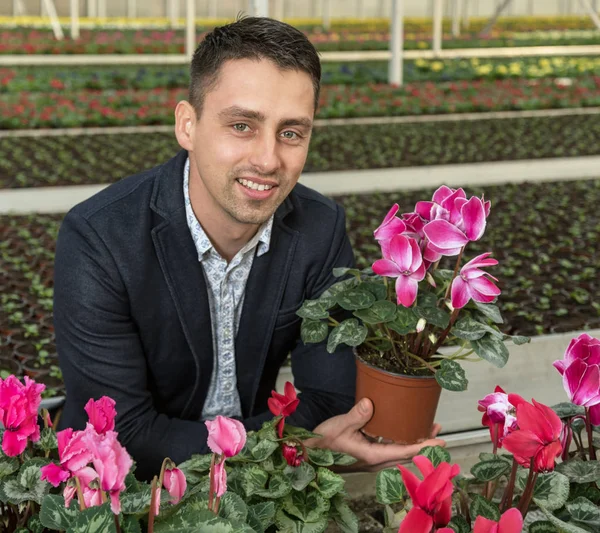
{"type": "Point", "coordinates": [472, 283]}
{"type": "Point", "coordinates": [405, 263]}
{"type": "Point", "coordinates": [499, 415]}
{"type": "Point", "coordinates": [389, 228]}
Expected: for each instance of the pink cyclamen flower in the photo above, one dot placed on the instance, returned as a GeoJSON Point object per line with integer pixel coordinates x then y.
{"type": "Point", "coordinates": [453, 221]}
{"type": "Point", "coordinates": [101, 414]}
{"type": "Point", "coordinates": [225, 436]}
{"type": "Point", "coordinates": [431, 497]}
{"type": "Point", "coordinates": [499, 415]}
{"type": "Point", "coordinates": [538, 435]}
{"type": "Point", "coordinates": [92, 495]}
{"type": "Point", "coordinates": [283, 404]}
{"type": "Point", "coordinates": [220, 479]}
{"type": "Point", "coordinates": [18, 413]}
{"type": "Point", "coordinates": [405, 263]}
{"type": "Point", "coordinates": [580, 369]}
{"type": "Point", "coordinates": [389, 228]}
{"type": "Point", "coordinates": [472, 283]}
{"type": "Point", "coordinates": [175, 483]}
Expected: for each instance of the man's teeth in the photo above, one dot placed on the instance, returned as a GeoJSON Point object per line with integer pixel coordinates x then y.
{"type": "Point", "coordinates": [257, 187]}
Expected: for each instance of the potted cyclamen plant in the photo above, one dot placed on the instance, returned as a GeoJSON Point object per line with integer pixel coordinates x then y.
{"type": "Point", "coordinates": [407, 312]}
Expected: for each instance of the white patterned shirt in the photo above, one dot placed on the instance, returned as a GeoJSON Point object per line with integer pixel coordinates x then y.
{"type": "Point", "coordinates": [226, 284]}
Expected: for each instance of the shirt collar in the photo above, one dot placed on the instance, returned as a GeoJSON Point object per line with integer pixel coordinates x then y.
{"type": "Point", "coordinates": [261, 240]}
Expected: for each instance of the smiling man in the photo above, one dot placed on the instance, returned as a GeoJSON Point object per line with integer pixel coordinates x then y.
{"type": "Point", "coordinates": [176, 289]}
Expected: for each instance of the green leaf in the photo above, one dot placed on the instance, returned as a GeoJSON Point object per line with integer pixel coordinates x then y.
{"type": "Point", "coordinates": [389, 487]}
{"type": "Point", "coordinates": [580, 471]}
{"type": "Point", "coordinates": [451, 376]}
{"type": "Point", "coordinates": [376, 289]}
{"type": "Point", "coordinates": [130, 524]}
{"type": "Point", "coordinates": [405, 321]}
{"type": "Point", "coordinates": [34, 525]}
{"type": "Point", "coordinates": [8, 466]}
{"type": "Point", "coordinates": [442, 275]}
{"type": "Point", "coordinates": [313, 331]}
{"type": "Point", "coordinates": [492, 349]}
{"type": "Point", "coordinates": [197, 463]}
{"type": "Point", "coordinates": [307, 506]}
{"type": "Point", "coordinates": [349, 332]}
{"type": "Point", "coordinates": [490, 470]}
{"type": "Point", "coordinates": [254, 479]}
{"type": "Point", "coordinates": [561, 526]}
{"type": "Point", "coordinates": [47, 440]}
{"type": "Point", "coordinates": [313, 309]}
{"type": "Point", "coordinates": [338, 272]}
{"type": "Point", "coordinates": [380, 311]}
{"type": "Point", "coordinates": [278, 487]}
{"type": "Point", "coordinates": [193, 522]}
{"type": "Point", "coordinates": [94, 520]}
{"type": "Point", "coordinates": [584, 511]}
{"type": "Point", "coordinates": [542, 526]}
{"type": "Point", "coordinates": [568, 409]}
{"type": "Point", "coordinates": [490, 311]}
{"type": "Point", "coordinates": [434, 315]}
{"type": "Point", "coordinates": [233, 507]}
{"type": "Point", "coordinates": [288, 524]}
{"type": "Point", "coordinates": [320, 456]}
{"type": "Point", "coordinates": [299, 433]}
{"type": "Point", "coordinates": [353, 299]}
{"type": "Point", "coordinates": [54, 514]}
{"type": "Point", "coordinates": [262, 514]}
{"type": "Point", "coordinates": [27, 485]}
{"type": "Point", "coordinates": [484, 456]}
{"type": "Point", "coordinates": [301, 475]}
{"type": "Point", "coordinates": [344, 517]}
{"type": "Point", "coordinates": [426, 299]}
{"type": "Point", "coordinates": [482, 507]}
{"type": "Point", "coordinates": [459, 524]}
{"type": "Point", "coordinates": [551, 490]}
{"type": "Point", "coordinates": [329, 483]}
{"type": "Point", "coordinates": [468, 329]}
{"type": "Point", "coordinates": [264, 449]}
{"type": "Point", "coordinates": [329, 296]}
{"type": "Point", "coordinates": [343, 459]}
{"type": "Point", "coordinates": [518, 340]}
{"type": "Point", "coordinates": [136, 502]}
{"type": "Point", "coordinates": [436, 454]}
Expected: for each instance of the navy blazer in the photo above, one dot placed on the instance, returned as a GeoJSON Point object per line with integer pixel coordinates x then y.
{"type": "Point", "coordinates": [132, 319]}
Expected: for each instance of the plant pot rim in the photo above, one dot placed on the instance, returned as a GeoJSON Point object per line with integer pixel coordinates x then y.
{"type": "Point", "coordinates": [407, 376]}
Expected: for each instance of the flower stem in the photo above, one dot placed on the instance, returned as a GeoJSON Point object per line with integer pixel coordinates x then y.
{"type": "Point", "coordinates": [588, 427]}
{"type": "Point", "coordinates": [528, 492]}
{"type": "Point", "coordinates": [152, 510]}
{"type": "Point", "coordinates": [211, 490]}
{"type": "Point", "coordinates": [117, 525]}
{"type": "Point", "coordinates": [80, 494]}
{"type": "Point", "coordinates": [456, 267]}
{"type": "Point", "coordinates": [444, 334]}
{"type": "Point", "coordinates": [510, 488]}
{"type": "Point", "coordinates": [422, 361]}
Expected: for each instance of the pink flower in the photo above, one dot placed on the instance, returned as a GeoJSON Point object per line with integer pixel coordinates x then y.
{"type": "Point", "coordinates": [18, 413]}
{"type": "Point", "coordinates": [453, 220]}
{"type": "Point", "coordinates": [283, 404]}
{"type": "Point", "coordinates": [219, 479]}
{"type": "Point", "coordinates": [473, 283]}
{"type": "Point", "coordinates": [225, 436]}
{"type": "Point", "coordinates": [498, 415]}
{"type": "Point", "coordinates": [389, 228]}
{"type": "Point", "coordinates": [73, 450]}
{"type": "Point", "coordinates": [111, 461]}
{"type": "Point", "coordinates": [175, 482]}
{"type": "Point", "coordinates": [291, 455]}
{"type": "Point", "coordinates": [101, 414]}
{"type": "Point", "coordinates": [415, 228]}
{"type": "Point", "coordinates": [54, 474]}
{"type": "Point", "coordinates": [510, 522]}
{"type": "Point", "coordinates": [538, 436]}
{"type": "Point", "coordinates": [404, 263]}
{"type": "Point", "coordinates": [431, 497]}
{"type": "Point", "coordinates": [580, 369]}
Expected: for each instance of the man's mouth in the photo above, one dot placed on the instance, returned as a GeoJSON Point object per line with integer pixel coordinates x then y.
{"type": "Point", "coordinates": [249, 184]}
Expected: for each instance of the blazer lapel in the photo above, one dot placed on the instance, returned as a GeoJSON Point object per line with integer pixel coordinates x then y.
{"type": "Point", "coordinates": [184, 275]}
{"type": "Point", "coordinates": [264, 291]}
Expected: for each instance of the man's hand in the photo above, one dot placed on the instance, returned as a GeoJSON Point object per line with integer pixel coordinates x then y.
{"type": "Point", "coordinates": [342, 434]}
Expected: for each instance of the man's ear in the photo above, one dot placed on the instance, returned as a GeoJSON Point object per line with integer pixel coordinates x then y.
{"type": "Point", "coordinates": [185, 122]}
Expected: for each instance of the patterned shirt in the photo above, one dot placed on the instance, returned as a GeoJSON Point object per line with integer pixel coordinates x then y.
{"type": "Point", "coordinates": [226, 284]}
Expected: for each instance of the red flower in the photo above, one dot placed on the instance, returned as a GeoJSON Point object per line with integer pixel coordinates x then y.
{"type": "Point", "coordinates": [291, 455]}
{"type": "Point", "coordinates": [538, 436]}
{"type": "Point", "coordinates": [283, 404]}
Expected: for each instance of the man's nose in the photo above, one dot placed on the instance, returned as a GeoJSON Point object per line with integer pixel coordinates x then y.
{"type": "Point", "coordinates": [265, 155]}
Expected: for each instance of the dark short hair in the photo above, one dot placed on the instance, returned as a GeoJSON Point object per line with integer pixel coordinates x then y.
{"type": "Point", "coordinates": [251, 38]}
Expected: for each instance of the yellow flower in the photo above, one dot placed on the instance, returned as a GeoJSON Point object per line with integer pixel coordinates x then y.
{"type": "Point", "coordinates": [422, 45]}
{"type": "Point", "coordinates": [484, 70]}
{"type": "Point", "coordinates": [436, 66]}
{"type": "Point", "coordinates": [421, 63]}
{"type": "Point", "coordinates": [515, 68]}
{"type": "Point", "coordinates": [474, 61]}
{"type": "Point", "coordinates": [501, 69]}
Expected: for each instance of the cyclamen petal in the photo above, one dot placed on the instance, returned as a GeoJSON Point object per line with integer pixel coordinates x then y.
{"type": "Point", "coordinates": [101, 414]}
{"type": "Point", "coordinates": [54, 474]}
{"type": "Point", "coordinates": [386, 267]}
{"type": "Point", "coordinates": [473, 216]}
{"type": "Point", "coordinates": [460, 293]}
{"type": "Point", "coordinates": [225, 436]}
{"type": "Point", "coordinates": [406, 290]}
{"type": "Point", "coordinates": [401, 252]}
{"type": "Point", "coordinates": [582, 383]}
{"type": "Point", "coordinates": [444, 236]}
{"type": "Point", "coordinates": [416, 521]}
{"type": "Point", "coordinates": [175, 482]}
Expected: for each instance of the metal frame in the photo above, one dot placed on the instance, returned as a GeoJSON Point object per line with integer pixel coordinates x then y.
{"type": "Point", "coordinates": [395, 71]}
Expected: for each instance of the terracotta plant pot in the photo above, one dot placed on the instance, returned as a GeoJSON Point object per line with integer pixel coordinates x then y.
{"type": "Point", "coordinates": [404, 406]}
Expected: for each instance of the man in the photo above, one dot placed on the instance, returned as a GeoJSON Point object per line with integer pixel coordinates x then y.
{"type": "Point", "coordinates": [176, 289]}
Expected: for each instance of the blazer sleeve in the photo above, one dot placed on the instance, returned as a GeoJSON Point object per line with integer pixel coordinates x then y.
{"type": "Point", "coordinates": [100, 352]}
{"type": "Point", "coordinates": [327, 381]}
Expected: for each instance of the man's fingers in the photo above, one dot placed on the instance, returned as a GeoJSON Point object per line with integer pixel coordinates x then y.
{"type": "Point", "coordinates": [435, 430]}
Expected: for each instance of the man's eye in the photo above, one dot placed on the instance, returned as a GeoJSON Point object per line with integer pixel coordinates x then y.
{"type": "Point", "coordinates": [241, 127]}
{"type": "Point", "coordinates": [290, 135]}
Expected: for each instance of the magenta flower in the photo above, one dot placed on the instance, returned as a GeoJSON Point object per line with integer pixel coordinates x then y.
{"type": "Point", "coordinates": [291, 455]}
{"type": "Point", "coordinates": [101, 414]}
{"type": "Point", "coordinates": [415, 228]}
{"type": "Point", "coordinates": [92, 495]}
{"type": "Point", "coordinates": [18, 413]}
{"type": "Point", "coordinates": [580, 369]}
{"type": "Point", "coordinates": [54, 474]}
{"type": "Point", "coordinates": [73, 450]}
{"type": "Point", "coordinates": [472, 283]}
{"type": "Point", "coordinates": [283, 404]}
{"type": "Point", "coordinates": [389, 228]}
{"type": "Point", "coordinates": [404, 263]}
{"type": "Point", "coordinates": [453, 220]}
{"type": "Point", "coordinates": [175, 483]}
{"type": "Point", "coordinates": [225, 436]}
{"type": "Point", "coordinates": [510, 522]}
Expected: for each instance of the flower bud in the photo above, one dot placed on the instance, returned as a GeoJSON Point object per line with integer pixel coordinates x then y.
{"type": "Point", "coordinates": [421, 325]}
{"type": "Point", "coordinates": [290, 453]}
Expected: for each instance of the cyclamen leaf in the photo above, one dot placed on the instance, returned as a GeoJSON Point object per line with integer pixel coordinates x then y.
{"type": "Point", "coordinates": [278, 487]}
{"type": "Point", "coordinates": [313, 309]}
{"type": "Point", "coordinates": [94, 520]}
{"type": "Point", "coordinates": [344, 517]}
{"type": "Point", "coordinates": [492, 349]}
{"type": "Point", "coordinates": [433, 315]}
{"type": "Point", "coordinates": [563, 527]}
{"type": "Point", "coordinates": [329, 483]}
{"type": "Point", "coordinates": [381, 311]}
{"type": "Point", "coordinates": [568, 409]}
{"type": "Point", "coordinates": [580, 471]}
{"type": "Point", "coordinates": [389, 486]}
{"type": "Point", "coordinates": [264, 449]}
{"type": "Point", "coordinates": [338, 272]}
{"type": "Point", "coordinates": [451, 376]}
{"type": "Point", "coordinates": [348, 332]}
{"type": "Point", "coordinates": [307, 506]}
{"type": "Point", "coordinates": [459, 524]}
{"type": "Point", "coordinates": [482, 507]}
{"type": "Point", "coordinates": [377, 289]}
{"type": "Point", "coordinates": [8, 466]}
{"type": "Point", "coordinates": [404, 322]}
{"type": "Point", "coordinates": [468, 329]}
{"type": "Point", "coordinates": [312, 331]}
{"type": "Point", "coordinates": [353, 299]}
{"type": "Point", "coordinates": [320, 456]}
{"type": "Point", "coordinates": [436, 454]}
{"type": "Point", "coordinates": [301, 475]}
{"type": "Point", "coordinates": [263, 513]}
{"type": "Point", "coordinates": [286, 523]}
{"type": "Point", "coordinates": [542, 526]}
{"type": "Point", "coordinates": [54, 515]}
{"type": "Point", "coordinates": [491, 311]}
{"type": "Point", "coordinates": [343, 459]}
{"type": "Point", "coordinates": [233, 507]}
{"type": "Point", "coordinates": [490, 470]}
{"type": "Point", "coordinates": [584, 511]}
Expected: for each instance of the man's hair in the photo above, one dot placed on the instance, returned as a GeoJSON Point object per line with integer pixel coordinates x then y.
{"type": "Point", "coordinates": [253, 38]}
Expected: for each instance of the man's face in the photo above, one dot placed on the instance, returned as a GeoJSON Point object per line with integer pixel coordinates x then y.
{"type": "Point", "coordinates": [251, 140]}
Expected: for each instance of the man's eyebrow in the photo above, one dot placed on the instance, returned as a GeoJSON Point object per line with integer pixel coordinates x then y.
{"type": "Point", "coordinates": [241, 112]}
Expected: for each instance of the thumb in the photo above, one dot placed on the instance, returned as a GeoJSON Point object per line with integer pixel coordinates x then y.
{"type": "Point", "coordinates": [360, 414]}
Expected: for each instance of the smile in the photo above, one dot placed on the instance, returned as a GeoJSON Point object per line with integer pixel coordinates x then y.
{"type": "Point", "coordinates": [254, 186]}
